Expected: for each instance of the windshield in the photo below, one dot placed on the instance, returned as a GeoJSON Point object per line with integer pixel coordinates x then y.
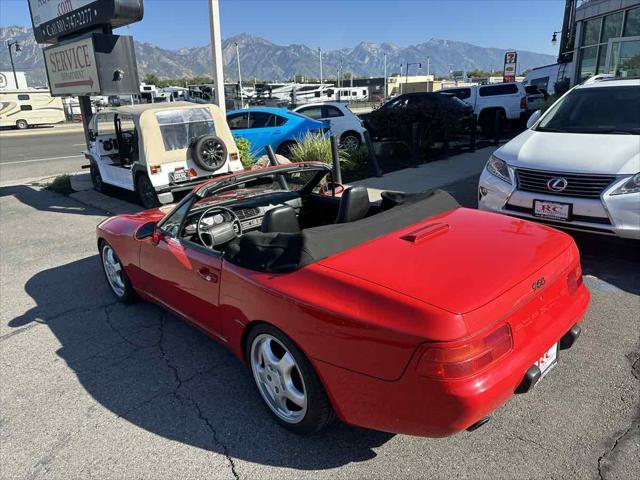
{"type": "Point", "coordinates": [264, 184]}
{"type": "Point", "coordinates": [601, 110]}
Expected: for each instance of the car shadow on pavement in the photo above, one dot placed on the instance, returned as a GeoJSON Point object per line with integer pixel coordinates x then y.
{"type": "Point", "coordinates": [153, 370]}
{"type": "Point", "coordinates": [46, 201]}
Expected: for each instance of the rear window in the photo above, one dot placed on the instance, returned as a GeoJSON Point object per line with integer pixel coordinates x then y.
{"type": "Point", "coordinates": [500, 89]}
{"type": "Point", "coordinates": [461, 93]}
{"type": "Point", "coordinates": [180, 127]}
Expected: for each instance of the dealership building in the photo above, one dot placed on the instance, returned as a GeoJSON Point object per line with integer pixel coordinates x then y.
{"type": "Point", "coordinates": [607, 38]}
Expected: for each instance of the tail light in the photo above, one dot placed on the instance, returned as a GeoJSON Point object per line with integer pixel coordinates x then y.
{"type": "Point", "coordinates": [574, 280]}
{"type": "Point", "coordinates": [524, 103]}
{"type": "Point", "coordinates": [154, 169]}
{"type": "Point", "coordinates": [193, 173]}
{"type": "Point", "coordinates": [460, 360]}
{"type": "Point", "coordinates": [235, 157]}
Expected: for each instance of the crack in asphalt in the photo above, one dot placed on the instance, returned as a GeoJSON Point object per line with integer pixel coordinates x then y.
{"type": "Point", "coordinates": [107, 313]}
{"type": "Point", "coordinates": [180, 382]}
{"type": "Point", "coordinates": [35, 321]}
{"type": "Point", "coordinates": [617, 441]}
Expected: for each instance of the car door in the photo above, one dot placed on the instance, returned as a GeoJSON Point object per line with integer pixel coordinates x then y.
{"type": "Point", "coordinates": [340, 122]}
{"type": "Point", "coordinates": [181, 275]}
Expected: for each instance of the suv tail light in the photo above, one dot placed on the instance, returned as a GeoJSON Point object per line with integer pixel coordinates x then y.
{"type": "Point", "coordinates": [524, 103]}
{"type": "Point", "coordinates": [459, 360]}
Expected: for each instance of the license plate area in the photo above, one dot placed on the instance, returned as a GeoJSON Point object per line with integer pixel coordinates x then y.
{"type": "Point", "coordinates": [552, 210]}
{"type": "Point", "coordinates": [547, 361]}
{"type": "Point", "coordinates": [179, 176]}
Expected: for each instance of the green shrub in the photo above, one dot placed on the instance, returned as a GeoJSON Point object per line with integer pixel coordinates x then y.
{"type": "Point", "coordinates": [61, 184]}
{"type": "Point", "coordinates": [356, 157]}
{"type": "Point", "coordinates": [244, 149]}
{"type": "Point", "coordinates": [315, 148]}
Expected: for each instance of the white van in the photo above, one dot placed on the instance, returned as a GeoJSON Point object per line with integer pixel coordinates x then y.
{"type": "Point", "coordinates": [22, 108]}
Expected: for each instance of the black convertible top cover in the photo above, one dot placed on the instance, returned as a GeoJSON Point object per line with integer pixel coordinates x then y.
{"type": "Point", "coordinates": [285, 252]}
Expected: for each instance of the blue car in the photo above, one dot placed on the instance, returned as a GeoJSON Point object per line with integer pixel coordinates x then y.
{"type": "Point", "coordinates": [277, 127]}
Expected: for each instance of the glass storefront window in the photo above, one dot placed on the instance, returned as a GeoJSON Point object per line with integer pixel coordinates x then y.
{"type": "Point", "coordinates": [625, 59]}
{"type": "Point", "coordinates": [612, 26]}
{"type": "Point", "coordinates": [588, 63]}
{"type": "Point", "coordinates": [632, 23]}
{"type": "Point", "coordinates": [592, 31]}
{"type": "Point", "coordinates": [602, 59]}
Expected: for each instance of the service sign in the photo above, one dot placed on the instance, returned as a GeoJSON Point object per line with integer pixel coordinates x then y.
{"type": "Point", "coordinates": [72, 69]}
{"type": "Point", "coordinates": [53, 19]}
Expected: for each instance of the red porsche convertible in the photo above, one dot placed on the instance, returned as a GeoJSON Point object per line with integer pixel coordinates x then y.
{"type": "Point", "coordinates": [410, 315]}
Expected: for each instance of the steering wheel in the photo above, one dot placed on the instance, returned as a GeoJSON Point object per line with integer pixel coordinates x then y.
{"type": "Point", "coordinates": [218, 233]}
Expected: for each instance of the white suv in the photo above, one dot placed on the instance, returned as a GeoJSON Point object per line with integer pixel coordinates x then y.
{"type": "Point", "coordinates": [577, 166]}
{"type": "Point", "coordinates": [508, 100]}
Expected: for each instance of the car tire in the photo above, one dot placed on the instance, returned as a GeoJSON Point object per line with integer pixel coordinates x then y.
{"type": "Point", "coordinates": [22, 124]}
{"type": "Point", "coordinates": [488, 122]}
{"type": "Point", "coordinates": [285, 149]}
{"type": "Point", "coordinates": [117, 278]}
{"type": "Point", "coordinates": [350, 140]}
{"type": "Point", "coordinates": [294, 378]}
{"type": "Point", "coordinates": [146, 193]}
{"type": "Point", "coordinates": [209, 152]}
{"type": "Point", "coordinates": [96, 179]}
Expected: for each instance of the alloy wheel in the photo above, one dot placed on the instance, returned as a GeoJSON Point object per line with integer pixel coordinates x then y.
{"type": "Point", "coordinates": [350, 142]}
{"type": "Point", "coordinates": [213, 153]}
{"type": "Point", "coordinates": [279, 378]}
{"type": "Point", "coordinates": [113, 270]}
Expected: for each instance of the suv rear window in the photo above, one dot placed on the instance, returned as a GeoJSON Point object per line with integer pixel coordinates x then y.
{"type": "Point", "coordinates": [180, 127]}
{"type": "Point", "coordinates": [500, 89]}
{"type": "Point", "coordinates": [461, 93]}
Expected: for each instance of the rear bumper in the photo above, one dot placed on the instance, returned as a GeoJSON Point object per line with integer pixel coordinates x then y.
{"type": "Point", "coordinates": [416, 405]}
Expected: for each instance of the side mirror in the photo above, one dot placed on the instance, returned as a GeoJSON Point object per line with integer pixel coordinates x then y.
{"type": "Point", "coordinates": [329, 188]}
{"type": "Point", "coordinates": [147, 230]}
{"type": "Point", "coordinates": [535, 116]}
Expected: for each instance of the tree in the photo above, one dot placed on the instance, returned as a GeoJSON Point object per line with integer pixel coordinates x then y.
{"type": "Point", "coordinates": [151, 79]}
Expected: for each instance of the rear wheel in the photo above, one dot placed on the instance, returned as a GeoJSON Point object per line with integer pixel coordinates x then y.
{"type": "Point", "coordinates": [146, 193]}
{"type": "Point", "coordinates": [285, 149]}
{"type": "Point", "coordinates": [116, 276]}
{"type": "Point", "coordinates": [287, 381]}
{"type": "Point", "coordinates": [21, 124]}
{"type": "Point", "coordinates": [350, 141]}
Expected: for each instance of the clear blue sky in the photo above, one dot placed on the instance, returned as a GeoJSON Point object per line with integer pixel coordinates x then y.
{"type": "Point", "coordinates": [329, 24]}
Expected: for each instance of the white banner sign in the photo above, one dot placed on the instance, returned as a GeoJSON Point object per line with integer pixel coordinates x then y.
{"type": "Point", "coordinates": [43, 11]}
{"type": "Point", "coordinates": [71, 68]}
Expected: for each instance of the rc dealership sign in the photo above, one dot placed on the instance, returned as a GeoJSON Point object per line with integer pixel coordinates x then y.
{"type": "Point", "coordinates": [53, 19]}
{"type": "Point", "coordinates": [72, 68]}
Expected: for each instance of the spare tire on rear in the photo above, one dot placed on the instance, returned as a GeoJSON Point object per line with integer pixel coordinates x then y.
{"type": "Point", "coordinates": [209, 152]}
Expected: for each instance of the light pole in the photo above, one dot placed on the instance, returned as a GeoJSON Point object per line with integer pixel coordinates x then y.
{"type": "Point", "coordinates": [428, 66]}
{"type": "Point", "coordinates": [216, 52]}
{"type": "Point", "coordinates": [406, 72]}
{"type": "Point", "coordinates": [16, 45]}
{"type": "Point", "coordinates": [239, 76]}
{"type": "Point", "coordinates": [385, 78]}
{"type": "Point", "coordinates": [320, 53]}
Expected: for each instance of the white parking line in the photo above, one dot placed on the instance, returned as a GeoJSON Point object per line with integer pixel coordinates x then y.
{"type": "Point", "coordinates": [42, 159]}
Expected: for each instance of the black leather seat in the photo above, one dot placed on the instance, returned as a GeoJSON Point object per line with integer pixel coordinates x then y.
{"type": "Point", "coordinates": [354, 205]}
{"type": "Point", "coordinates": [281, 219]}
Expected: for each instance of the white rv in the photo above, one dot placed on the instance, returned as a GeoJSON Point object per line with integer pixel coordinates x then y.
{"type": "Point", "coordinates": [23, 108]}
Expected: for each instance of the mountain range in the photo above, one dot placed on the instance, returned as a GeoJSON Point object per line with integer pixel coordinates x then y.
{"type": "Point", "coordinates": [264, 60]}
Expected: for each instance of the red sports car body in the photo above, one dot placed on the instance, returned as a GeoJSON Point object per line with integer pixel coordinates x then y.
{"type": "Point", "coordinates": [411, 315]}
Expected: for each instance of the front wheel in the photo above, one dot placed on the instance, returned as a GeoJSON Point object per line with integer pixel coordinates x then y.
{"type": "Point", "coordinates": [116, 276]}
{"type": "Point", "coordinates": [96, 178]}
{"type": "Point", "coordinates": [287, 381]}
{"type": "Point", "coordinates": [146, 193]}
{"type": "Point", "coordinates": [285, 149]}
{"type": "Point", "coordinates": [350, 141]}
{"type": "Point", "coordinates": [22, 124]}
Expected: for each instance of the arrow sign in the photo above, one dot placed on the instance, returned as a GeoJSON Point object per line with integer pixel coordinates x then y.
{"type": "Point", "coordinates": [77, 83]}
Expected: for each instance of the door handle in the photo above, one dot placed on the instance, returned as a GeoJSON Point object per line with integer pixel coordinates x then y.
{"type": "Point", "coordinates": [208, 275]}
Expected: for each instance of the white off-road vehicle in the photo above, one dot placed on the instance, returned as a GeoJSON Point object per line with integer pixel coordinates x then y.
{"type": "Point", "coordinates": [158, 149]}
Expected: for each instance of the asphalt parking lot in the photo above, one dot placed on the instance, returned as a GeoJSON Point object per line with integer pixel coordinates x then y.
{"type": "Point", "coordinates": [95, 389]}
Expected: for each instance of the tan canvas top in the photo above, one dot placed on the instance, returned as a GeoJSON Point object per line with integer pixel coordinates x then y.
{"type": "Point", "coordinates": [150, 142]}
